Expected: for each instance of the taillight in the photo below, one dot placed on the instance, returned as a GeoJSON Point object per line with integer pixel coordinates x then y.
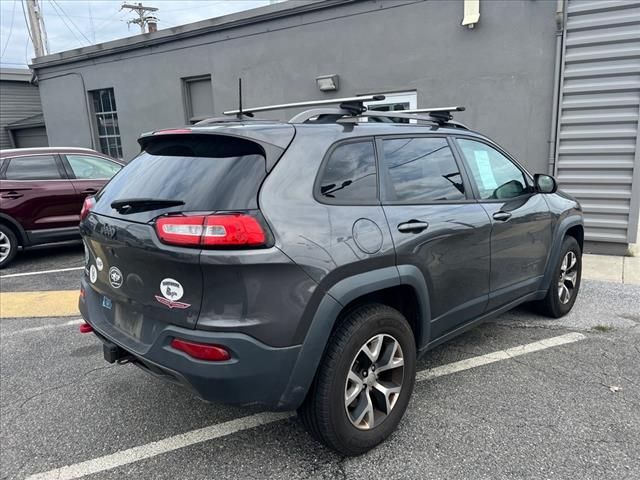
{"type": "Point", "coordinates": [87, 206]}
{"type": "Point", "coordinates": [228, 230]}
{"type": "Point", "coordinates": [201, 351]}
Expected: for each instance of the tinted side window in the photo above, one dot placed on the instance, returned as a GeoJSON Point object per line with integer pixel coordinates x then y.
{"type": "Point", "coordinates": [349, 175]}
{"type": "Point", "coordinates": [40, 167]}
{"type": "Point", "coordinates": [494, 174]}
{"type": "Point", "coordinates": [90, 167]}
{"type": "Point", "coordinates": [421, 170]}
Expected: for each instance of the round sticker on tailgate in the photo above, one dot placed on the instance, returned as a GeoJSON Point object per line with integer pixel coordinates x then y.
{"type": "Point", "coordinates": [93, 274]}
{"type": "Point", "coordinates": [115, 277]}
{"type": "Point", "coordinates": [171, 289]}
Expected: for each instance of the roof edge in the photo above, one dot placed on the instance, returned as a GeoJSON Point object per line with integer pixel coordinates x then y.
{"type": "Point", "coordinates": [234, 20]}
{"type": "Point", "coordinates": [16, 74]}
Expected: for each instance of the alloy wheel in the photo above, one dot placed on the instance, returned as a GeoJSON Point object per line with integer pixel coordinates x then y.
{"type": "Point", "coordinates": [568, 277]}
{"type": "Point", "coordinates": [374, 381]}
{"type": "Point", "coordinates": [5, 246]}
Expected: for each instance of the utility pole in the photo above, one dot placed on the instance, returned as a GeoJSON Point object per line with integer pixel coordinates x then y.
{"type": "Point", "coordinates": [143, 19]}
{"type": "Point", "coordinates": [38, 33]}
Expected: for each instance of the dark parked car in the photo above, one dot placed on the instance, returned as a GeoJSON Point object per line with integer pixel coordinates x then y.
{"type": "Point", "coordinates": [42, 191]}
{"type": "Point", "coordinates": [306, 265]}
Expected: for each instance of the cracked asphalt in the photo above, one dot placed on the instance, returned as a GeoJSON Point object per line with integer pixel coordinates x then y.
{"type": "Point", "coordinates": [568, 412]}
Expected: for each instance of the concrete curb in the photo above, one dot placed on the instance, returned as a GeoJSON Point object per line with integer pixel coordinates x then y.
{"type": "Point", "coordinates": [608, 268]}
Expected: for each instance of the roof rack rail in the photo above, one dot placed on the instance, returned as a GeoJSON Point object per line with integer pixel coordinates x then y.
{"type": "Point", "coordinates": [354, 105]}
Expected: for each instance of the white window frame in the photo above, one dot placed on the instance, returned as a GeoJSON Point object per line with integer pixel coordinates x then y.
{"type": "Point", "coordinates": [399, 97]}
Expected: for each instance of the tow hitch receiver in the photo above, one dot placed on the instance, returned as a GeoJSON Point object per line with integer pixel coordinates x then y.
{"type": "Point", "coordinates": [113, 353]}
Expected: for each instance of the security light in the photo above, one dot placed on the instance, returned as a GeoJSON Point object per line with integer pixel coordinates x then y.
{"type": "Point", "coordinates": [327, 83]}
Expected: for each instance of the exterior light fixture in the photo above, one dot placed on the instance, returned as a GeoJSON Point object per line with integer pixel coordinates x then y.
{"type": "Point", "coordinates": [327, 83]}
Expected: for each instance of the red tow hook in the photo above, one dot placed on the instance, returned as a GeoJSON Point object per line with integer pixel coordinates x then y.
{"type": "Point", "coordinates": [85, 328]}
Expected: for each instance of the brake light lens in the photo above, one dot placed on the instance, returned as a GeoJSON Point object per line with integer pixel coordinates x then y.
{"type": "Point", "coordinates": [172, 131]}
{"type": "Point", "coordinates": [87, 206]}
{"type": "Point", "coordinates": [201, 351]}
{"type": "Point", "coordinates": [229, 230]}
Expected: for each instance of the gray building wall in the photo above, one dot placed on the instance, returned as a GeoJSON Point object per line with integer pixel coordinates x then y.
{"type": "Point", "coordinates": [502, 70]}
{"type": "Point", "coordinates": [19, 99]}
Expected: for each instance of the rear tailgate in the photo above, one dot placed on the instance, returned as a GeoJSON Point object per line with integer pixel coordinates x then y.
{"type": "Point", "coordinates": [136, 276]}
{"type": "Point", "coordinates": [138, 282]}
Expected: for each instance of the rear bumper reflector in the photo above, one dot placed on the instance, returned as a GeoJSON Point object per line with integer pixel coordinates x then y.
{"type": "Point", "coordinates": [85, 328]}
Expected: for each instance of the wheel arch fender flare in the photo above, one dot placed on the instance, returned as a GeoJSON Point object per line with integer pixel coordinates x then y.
{"type": "Point", "coordinates": [22, 235]}
{"type": "Point", "coordinates": [558, 237]}
{"type": "Point", "coordinates": [326, 315]}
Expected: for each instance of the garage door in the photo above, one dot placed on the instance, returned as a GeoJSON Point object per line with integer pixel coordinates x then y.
{"type": "Point", "coordinates": [30, 137]}
{"type": "Point", "coordinates": [597, 154]}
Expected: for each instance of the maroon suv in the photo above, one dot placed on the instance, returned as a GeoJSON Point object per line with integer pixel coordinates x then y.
{"type": "Point", "coordinates": [42, 191]}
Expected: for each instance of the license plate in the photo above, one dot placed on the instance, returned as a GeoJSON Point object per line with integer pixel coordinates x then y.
{"type": "Point", "coordinates": [128, 321]}
{"type": "Point", "coordinates": [106, 303]}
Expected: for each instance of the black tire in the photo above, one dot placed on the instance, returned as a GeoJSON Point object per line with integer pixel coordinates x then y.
{"type": "Point", "coordinates": [7, 236]}
{"type": "Point", "coordinates": [552, 306]}
{"type": "Point", "coordinates": [324, 412]}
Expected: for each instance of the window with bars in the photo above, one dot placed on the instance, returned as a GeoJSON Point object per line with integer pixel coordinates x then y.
{"type": "Point", "coordinates": [106, 118]}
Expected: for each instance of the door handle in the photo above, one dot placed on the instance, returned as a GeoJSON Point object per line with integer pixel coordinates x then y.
{"type": "Point", "coordinates": [89, 191]}
{"type": "Point", "coordinates": [502, 216]}
{"type": "Point", "coordinates": [11, 195]}
{"type": "Point", "coordinates": [412, 226]}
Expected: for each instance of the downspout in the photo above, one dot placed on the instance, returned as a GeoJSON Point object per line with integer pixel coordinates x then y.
{"type": "Point", "coordinates": [555, 107]}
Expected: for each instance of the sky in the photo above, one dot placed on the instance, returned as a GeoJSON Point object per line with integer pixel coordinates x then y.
{"type": "Point", "coordinates": [77, 23]}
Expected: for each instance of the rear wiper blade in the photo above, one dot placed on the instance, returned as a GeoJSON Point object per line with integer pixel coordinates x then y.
{"type": "Point", "coordinates": [132, 205]}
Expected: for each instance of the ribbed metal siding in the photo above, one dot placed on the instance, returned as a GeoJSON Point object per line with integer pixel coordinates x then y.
{"type": "Point", "coordinates": [599, 111]}
{"type": "Point", "coordinates": [18, 100]}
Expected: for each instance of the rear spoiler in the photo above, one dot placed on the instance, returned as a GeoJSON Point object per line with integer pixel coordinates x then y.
{"type": "Point", "coordinates": [273, 139]}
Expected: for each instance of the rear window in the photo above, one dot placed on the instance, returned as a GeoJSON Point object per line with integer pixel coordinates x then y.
{"type": "Point", "coordinates": [206, 172]}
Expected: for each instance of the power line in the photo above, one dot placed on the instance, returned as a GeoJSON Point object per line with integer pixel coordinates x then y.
{"type": "Point", "coordinates": [55, 7]}
{"type": "Point", "coordinates": [13, 13]}
{"type": "Point", "coordinates": [92, 26]}
{"type": "Point", "coordinates": [72, 22]}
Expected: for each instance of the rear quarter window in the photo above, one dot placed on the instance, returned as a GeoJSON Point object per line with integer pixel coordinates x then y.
{"type": "Point", "coordinates": [348, 175]}
{"type": "Point", "coordinates": [206, 172]}
{"type": "Point", "coordinates": [37, 167]}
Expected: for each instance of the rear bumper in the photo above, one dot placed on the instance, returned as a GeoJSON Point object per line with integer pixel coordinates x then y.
{"type": "Point", "coordinates": [256, 374]}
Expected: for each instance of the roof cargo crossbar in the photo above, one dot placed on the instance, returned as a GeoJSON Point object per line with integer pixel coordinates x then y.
{"type": "Point", "coordinates": [439, 113]}
{"type": "Point", "coordinates": [353, 104]}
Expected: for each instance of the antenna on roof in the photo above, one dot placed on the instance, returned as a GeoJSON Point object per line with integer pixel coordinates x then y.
{"type": "Point", "coordinates": [239, 97]}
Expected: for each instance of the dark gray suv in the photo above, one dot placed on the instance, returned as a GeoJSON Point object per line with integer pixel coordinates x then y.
{"type": "Point", "coordinates": [306, 265]}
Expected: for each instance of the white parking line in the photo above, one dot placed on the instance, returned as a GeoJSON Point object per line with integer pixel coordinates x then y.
{"type": "Point", "coordinates": [42, 272]}
{"type": "Point", "coordinates": [149, 450]}
{"type": "Point", "coordinates": [42, 327]}
{"type": "Point", "coordinates": [498, 356]}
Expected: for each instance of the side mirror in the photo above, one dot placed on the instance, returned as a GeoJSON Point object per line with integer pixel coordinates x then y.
{"type": "Point", "coordinates": [545, 183]}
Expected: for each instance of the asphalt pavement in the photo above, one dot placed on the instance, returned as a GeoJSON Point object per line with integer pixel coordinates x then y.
{"type": "Point", "coordinates": [559, 399]}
